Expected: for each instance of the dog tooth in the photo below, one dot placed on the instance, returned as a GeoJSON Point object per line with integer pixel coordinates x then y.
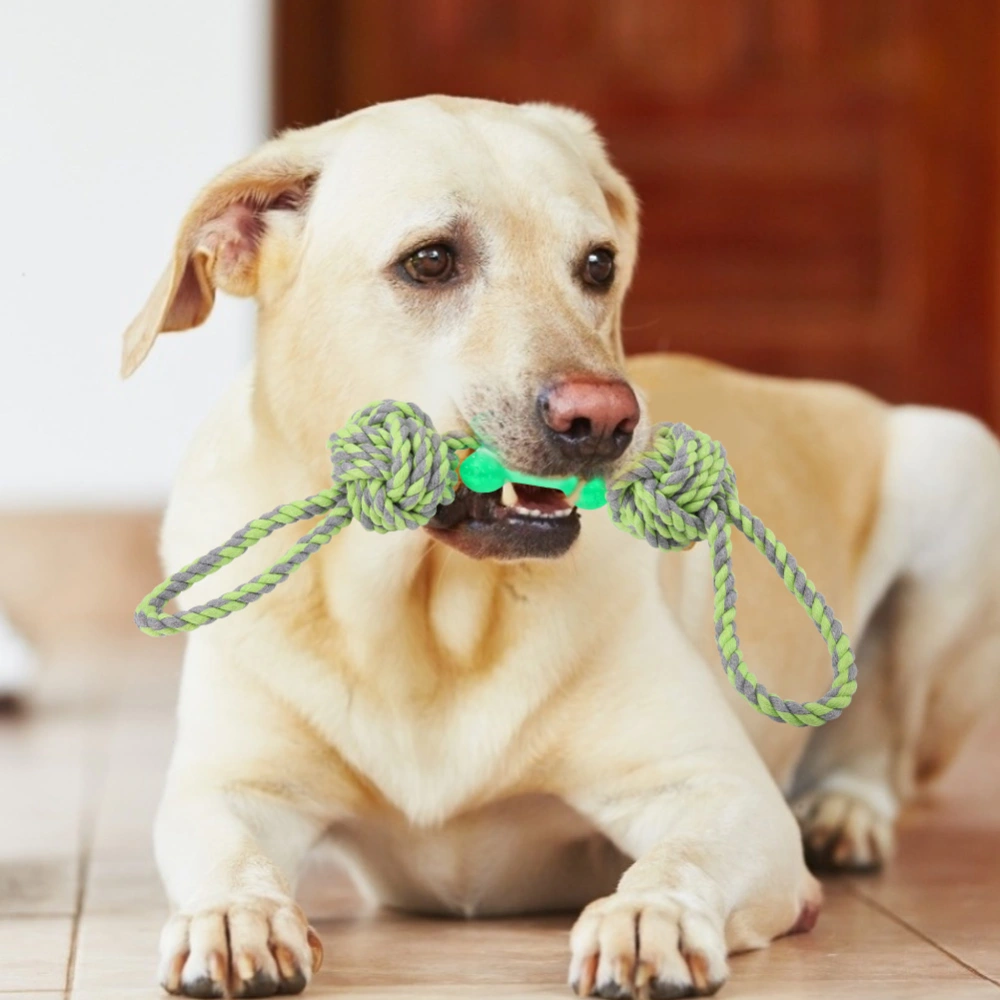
{"type": "Point", "coordinates": [508, 496]}
{"type": "Point", "coordinates": [547, 515]}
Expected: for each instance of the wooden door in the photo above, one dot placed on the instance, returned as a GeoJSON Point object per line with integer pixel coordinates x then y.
{"type": "Point", "coordinates": [818, 177]}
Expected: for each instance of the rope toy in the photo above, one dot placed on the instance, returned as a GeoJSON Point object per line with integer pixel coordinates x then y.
{"type": "Point", "coordinates": [392, 470]}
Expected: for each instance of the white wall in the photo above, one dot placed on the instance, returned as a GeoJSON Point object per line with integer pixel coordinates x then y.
{"type": "Point", "coordinates": [112, 114]}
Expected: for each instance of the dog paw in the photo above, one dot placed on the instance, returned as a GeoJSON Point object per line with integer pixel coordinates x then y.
{"type": "Point", "coordinates": [646, 946]}
{"type": "Point", "coordinates": [252, 947]}
{"type": "Point", "coordinates": [843, 832]}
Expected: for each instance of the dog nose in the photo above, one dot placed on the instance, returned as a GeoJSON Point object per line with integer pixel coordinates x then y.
{"type": "Point", "coordinates": [589, 417]}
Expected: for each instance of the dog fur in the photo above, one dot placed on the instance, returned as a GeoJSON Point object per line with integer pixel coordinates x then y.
{"type": "Point", "coordinates": [481, 736]}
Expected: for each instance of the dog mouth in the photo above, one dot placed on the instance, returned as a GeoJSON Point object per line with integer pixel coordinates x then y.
{"type": "Point", "coordinates": [516, 522]}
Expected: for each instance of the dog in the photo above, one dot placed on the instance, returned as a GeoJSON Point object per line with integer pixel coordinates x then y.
{"type": "Point", "coordinates": [519, 708]}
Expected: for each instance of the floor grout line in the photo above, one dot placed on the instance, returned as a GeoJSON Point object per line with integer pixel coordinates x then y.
{"type": "Point", "coordinates": [902, 922]}
{"type": "Point", "coordinates": [29, 992]}
{"type": "Point", "coordinates": [82, 870]}
{"type": "Point", "coordinates": [88, 830]}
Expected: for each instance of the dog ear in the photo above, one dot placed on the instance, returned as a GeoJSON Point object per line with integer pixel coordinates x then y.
{"type": "Point", "coordinates": [219, 240]}
{"type": "Point", "coordinates": [618, 193]}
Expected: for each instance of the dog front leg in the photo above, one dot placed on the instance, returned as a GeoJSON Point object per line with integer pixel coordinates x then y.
{"type": "Point", "coordinates": [719, 869]}
{"type": "Point", "coordinates": [650, 752]}
{"type": "Point", "coordinates": [228, 857]}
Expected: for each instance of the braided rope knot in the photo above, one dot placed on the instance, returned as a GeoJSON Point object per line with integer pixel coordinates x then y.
{"type": "Point", "coordinates": [673, 493]}
{"type": "Point", "coordinates": [392, 467]}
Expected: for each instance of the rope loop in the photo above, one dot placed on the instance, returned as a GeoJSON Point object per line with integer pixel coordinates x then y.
{"type": "Point", "coordinates": [391, 470]}
{"type": "Point", "coordinates": [683, 491]}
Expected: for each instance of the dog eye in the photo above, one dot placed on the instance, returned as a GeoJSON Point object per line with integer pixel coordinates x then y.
{"type": "Point", "coordinates": [431, 264]}
{"type": "Point", "coordinates": [599, 267]}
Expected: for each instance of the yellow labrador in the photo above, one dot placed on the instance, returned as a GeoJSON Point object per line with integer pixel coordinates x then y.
{"type": "Point", "coordinates": [520, 708]}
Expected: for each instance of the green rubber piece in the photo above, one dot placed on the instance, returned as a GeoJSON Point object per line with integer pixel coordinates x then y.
{"type": "Point", "coordinates": [593, 495]}
{"type": "Point", "coordinates": [483, 472]}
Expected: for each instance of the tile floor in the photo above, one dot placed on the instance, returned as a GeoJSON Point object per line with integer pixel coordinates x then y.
{"type": "Point", "coordinates": [81, 907]}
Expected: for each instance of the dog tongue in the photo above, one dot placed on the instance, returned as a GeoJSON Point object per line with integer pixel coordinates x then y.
{"type": "Point", "coordinates": [540, 498]}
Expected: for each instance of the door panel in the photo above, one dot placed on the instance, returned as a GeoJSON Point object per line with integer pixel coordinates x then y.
{"type": "Point", "coordinates": [817, 179]}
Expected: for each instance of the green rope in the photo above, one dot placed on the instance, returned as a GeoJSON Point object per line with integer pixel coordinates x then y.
{"type": "Point", "coordinates": [392, 470]}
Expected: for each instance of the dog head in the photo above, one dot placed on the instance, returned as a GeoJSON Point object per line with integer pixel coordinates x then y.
{"type": "Point", "coordinates": [467, 255]}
